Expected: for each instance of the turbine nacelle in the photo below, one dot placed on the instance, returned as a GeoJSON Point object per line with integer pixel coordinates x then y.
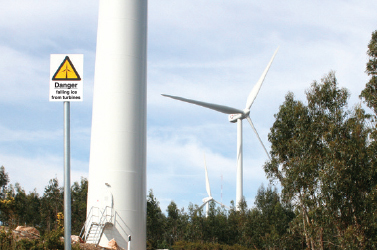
{"type": "Point", "coordinates": [207, 199]}
{"type": "Point", "coordinates": [234, 117]}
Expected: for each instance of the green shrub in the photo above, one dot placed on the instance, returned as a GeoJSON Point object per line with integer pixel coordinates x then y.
{"type": "Point", "coordinates": [49, 241]}
{"type": "Point", "coordinates": [6, 240]}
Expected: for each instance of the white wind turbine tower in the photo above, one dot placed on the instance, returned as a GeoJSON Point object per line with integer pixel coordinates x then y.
{"type": "Point", "coordinates": [236, 115]}
{"type": "Point", "coordinates": [208, 188]}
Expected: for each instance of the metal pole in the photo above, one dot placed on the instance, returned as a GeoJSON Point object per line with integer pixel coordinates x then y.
{"type": "Point", "coordinates": [129, 243]}
{"type": "Point", "coordinates": [67, 177]}
{"type": "Point", "coordinates": [239, 188]}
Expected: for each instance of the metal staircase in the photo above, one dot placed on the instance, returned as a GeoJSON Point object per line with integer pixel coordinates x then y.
{"type": "Point", "coordinates": [95, 224]}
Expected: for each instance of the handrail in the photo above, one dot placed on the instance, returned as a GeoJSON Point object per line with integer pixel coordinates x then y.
{"type": "Point", "coordinates": [103, 217]}
{"type": "Point", "coordinates": [86, 223]}
{"type": "Point", "coordinates": [102, 223]}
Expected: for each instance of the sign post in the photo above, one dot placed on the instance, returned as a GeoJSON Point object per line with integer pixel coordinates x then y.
{"type": "Point", "coordinates": [66, 85]}
{"type": "Point", "coordinates": [67, 177]}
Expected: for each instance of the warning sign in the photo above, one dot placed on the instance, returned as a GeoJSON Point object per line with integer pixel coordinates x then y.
{"type": "Point", "coordinates": [66, 71]}
{"type": "Point", "coordinates": [66, 77]}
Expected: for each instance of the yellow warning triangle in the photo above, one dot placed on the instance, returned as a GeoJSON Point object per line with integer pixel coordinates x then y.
{"type": "Point", "coordinates": [66, 72]}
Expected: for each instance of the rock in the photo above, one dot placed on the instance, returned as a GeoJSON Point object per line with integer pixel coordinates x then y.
{"type": "Point", "coordinates": [113, 245]}
{"type": "Point", "coordinates": [22, 232]}
{"type": "Point", "coordinates": [28, 230]}
{"type": "Point", "coordinates": [76, 239]}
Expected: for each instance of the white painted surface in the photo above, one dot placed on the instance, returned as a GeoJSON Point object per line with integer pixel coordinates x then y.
{"type": "Point", "coordinates": [239, 187]}
{"type": "Point", "coordinates": [118, 139]}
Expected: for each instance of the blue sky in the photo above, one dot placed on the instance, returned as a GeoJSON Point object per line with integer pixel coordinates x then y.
{"type": "Point", "coordinates": [212, 51]}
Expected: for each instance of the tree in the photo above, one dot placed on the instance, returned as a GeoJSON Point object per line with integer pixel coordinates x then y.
{"type": "Point", "coordinates": [195, 227]}
{"type": "Point", "coordinates": [155, 222]}
{"type": "Point", "coordinates": [20, 206]}
{"type": "Point", "coordinates": [219, 222]}
{"type": "Point", "coordinates": [369, 94]}
{"type": "Point", "coordinates": [7, 207]}
{"type": "Point", "coordinates": [52, 204]}
{"type": "Point", "coordinates": [290, 156]}
{"type": "Point", "coordinates": [270, 220]}
{"type": "Point", "coordinates": [4, 180]}
{"type": "Point", "coordinates": [320, 154]}
{"type": "Point", "coordinates": [33, 207]}
{"type": "Point", "coordinates": [176, 222]}
{"type": "Point", "coordinates": [5, 202]}
{"type": "Point", "coordinates": [79, 193]}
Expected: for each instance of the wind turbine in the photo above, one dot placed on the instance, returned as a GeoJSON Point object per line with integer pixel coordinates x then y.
{"type": "Point", "coordinates": [237, 115]}
{"type": "Point", "coordinates": [208, 188]}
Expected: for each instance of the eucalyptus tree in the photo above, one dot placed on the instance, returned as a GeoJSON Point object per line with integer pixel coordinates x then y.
{"type": "Point", "coordinates": [196, 224]}
{"type": "Point", "coordinates": [52, 204]}
{"type": "Point", "coordinates": [79, 194]}
{"type": "Point", "coordinates": [321, 156]}
{"type": "Point", "coordinates": [5, 202]}
{"type": "Point", "coordinates": [4, 180]}
{"type": "Point", "coordinates": [221, 225]}
{"type": "Point", "coordinates": [369, 94]}
{"type": "Point", "coordinates": [176, 223]}
{"type": "Point", "coordinates": [156, 221]}
{"type": "Point", "coordinates": [290, 163]}
{"type": "Point", "coordinates": [270, 220]}
{"type": "Point", "coordinates": [33, 207]}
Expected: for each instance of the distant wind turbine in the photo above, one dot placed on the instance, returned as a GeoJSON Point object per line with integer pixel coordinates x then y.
{"type": "Point", "coordinates": [208, 199]}
{"type": "Point", "coordinates": [237, 115]}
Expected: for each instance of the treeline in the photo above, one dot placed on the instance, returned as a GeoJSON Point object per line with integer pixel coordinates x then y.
{"type": "Point", "coordinates": [265, 226]}
{"type": "Point", "coordinates": [44, 212]}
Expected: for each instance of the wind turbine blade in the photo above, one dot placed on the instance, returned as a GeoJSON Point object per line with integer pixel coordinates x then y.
{"type": "Point", "coordinates": [252, 125]}
{"type": "Point", "coordinates": [221, 204]}
{"type": "Point", "coordinates": [202, 205]}
{"type": "Point", "coordinates": [217, 107]}
{"type": "Point", "coordinates": [208, 188]}
{"type": "Point", "coordinates": [254, 92]}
